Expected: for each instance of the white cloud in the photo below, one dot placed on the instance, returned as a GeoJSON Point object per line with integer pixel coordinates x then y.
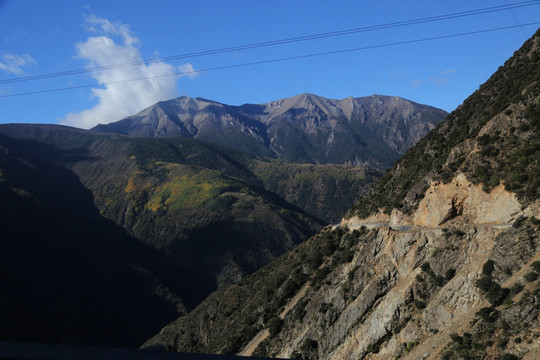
{"type": "Point", "coordinates": [397, 76]}
{"type": "Point", "coordinates": [108, 28]}
{"type": "Point", "coordinates": [442, 79]}
{"type": "Point", "coordinates": [188, 70]}
{"type": "Point", "coordinates": [439, 81]}
{"type": "Point", "coordinates": [118, 98]}
{"type": "Point", "coordinates": [448, 72]}
{"type": "Point", "coordinates": [14, 63]}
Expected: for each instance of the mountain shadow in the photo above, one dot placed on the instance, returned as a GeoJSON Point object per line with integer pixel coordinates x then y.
{"type": "Point", "coordinates": [68, 275]}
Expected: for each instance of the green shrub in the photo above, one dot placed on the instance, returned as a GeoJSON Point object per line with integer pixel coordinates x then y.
{"type": "Point", "coordinates": [419, 304]}
{"type": "Point", "coordinates": [320, 275]}
{"type": "Point", "coordinates": [289, 288]}
{"type": "Point", "coordinates": [519, 221]}
{"type": "Point", "coordinates": [324, 307]}
{"type": "Point", "coordinates": [456, 338]}
{"type": "Point", "coordinates": [488, 267]}
{"type": "Point", "coordinates": [274, 326]}
{"type": "Point", "coordinates": [516, 288]}
{"type": "Point", "coordinates": [449, 274]}
{"type": "Point", "coordinates": [299, 310]}
{"type": "Point", "coordinates": [352, 272]}
{"type": "Point", "coordinates": [447, 355]}
{"type": "Point", "coordinates": [536, 266]}
{"type": "Point", "coordinates": [233, 346]}
{"type": "Point", "coordinates": [488, 314]}
{"type": "Point", "coordinates": [243, 204]}
{"type": "Point", "coordinates": [372, 348]}
{"type": "Point", "coordinates": [309, 345]}
{"type": "Point", "coordinates": [459, 232]}
{"type": "Point", "coordinates": [531, 276]}
{"type": "Point", "coordinates": [493, 291]}
{"type": "Point", "coordinates": [425, 267]}
{"type": "Point", "coordinates": [509, 357]}
{"type": "Point", "coordinates": [410, 345]}
{"type": "Point", "coordinates": [262, 349]}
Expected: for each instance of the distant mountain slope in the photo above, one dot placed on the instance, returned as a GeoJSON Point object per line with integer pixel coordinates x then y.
{"type": "Point", "coordinates": [326, 191]}
{"type": "Point", "coordinates": [441, 260]}
{"type": "Point", "coordinates": [305, 128]}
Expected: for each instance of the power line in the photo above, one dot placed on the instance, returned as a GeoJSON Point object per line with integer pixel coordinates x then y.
{"type": "Point", "coordinates": [515, 17]}
{"type": "Point", "coordinates": [282, 41]}
{"type": "Point", "coordinates": [277, 60]}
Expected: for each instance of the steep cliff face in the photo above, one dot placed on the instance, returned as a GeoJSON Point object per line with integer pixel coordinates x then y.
{"type": "Point", "coordinates": [440, 261]}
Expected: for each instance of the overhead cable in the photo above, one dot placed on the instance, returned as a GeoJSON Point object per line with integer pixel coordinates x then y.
{"type": "Point", "coordinates": [280, 41]}
{"type": "Point", "coordinates": [276, 60]}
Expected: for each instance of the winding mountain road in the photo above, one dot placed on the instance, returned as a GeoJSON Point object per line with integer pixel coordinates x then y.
{"type": "Point", "coordinates": [414, 228]}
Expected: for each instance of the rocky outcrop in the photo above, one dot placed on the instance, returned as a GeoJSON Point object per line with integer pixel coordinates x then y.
{"type": "Point", "coordinates": [456, 201]}
{"type": "Point", "coordinates": [373, 220]}
{"type": "Point", "coordinates": [461, 199]}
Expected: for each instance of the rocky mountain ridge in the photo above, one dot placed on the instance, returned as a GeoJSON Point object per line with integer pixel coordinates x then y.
{"type": "Point", "coordinates": [441, 260]}
{"type": "Point", "coordinates": [305, 128]}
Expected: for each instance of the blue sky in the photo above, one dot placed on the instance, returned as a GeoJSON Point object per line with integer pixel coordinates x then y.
{"type": "Point", "coordinates": [44, 36]}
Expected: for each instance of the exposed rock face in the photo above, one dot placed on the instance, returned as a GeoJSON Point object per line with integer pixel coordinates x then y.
{"type": "Point", "coordinates": [444, 204]}
{"type": "Point", "coordinates": [305, 128]}
{"type": "Point", "coordinates": [373, 220]}
{"type": "Point", "coordinates": [460, 198]}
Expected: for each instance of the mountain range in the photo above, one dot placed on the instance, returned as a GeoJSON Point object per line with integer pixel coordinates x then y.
{"type": "Point", "coordinates": [207, 215]}
{"type": "Point", "coordinates": [218, 216]}
{"type": "Point", "coordinates": [372, 131]}
{"type": "Point", "coordinates": [440, 260]}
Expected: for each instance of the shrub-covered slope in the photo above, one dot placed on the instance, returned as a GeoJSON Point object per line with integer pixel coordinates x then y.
{"type": "Point", "coordinates": [326, 191]}
{"type": "Point", "coordinates": [383, 287]}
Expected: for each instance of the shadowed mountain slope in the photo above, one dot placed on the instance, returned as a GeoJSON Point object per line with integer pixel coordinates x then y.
{"type": "Point", "coordinates": [68, 275]}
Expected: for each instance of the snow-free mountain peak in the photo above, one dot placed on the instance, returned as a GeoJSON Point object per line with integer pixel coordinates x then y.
{"type": "Point", "coordinates": [305, 128]}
